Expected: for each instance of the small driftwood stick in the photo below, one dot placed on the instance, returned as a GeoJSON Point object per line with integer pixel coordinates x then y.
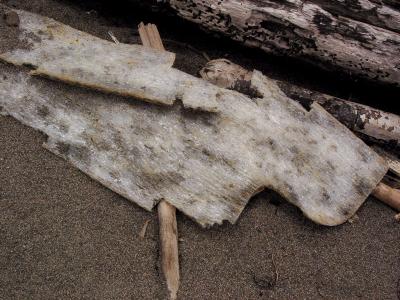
{"type": "Point", "coordinates": [142, 233]}
{"type": "Point", "coordinates": [166, 212]}
{"type": "Point", "coordinates": [387, 195]}
{"type": "Point", "coordinates": [150, 36]}
{"type": "Point", "coordinates": [226, 74]}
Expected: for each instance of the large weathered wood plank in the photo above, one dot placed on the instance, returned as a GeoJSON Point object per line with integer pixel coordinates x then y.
{"type": "Point", "coordinates": [207, 163]}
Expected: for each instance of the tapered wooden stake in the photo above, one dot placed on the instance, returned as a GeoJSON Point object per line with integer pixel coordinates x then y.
{"type": "Point", "coordinates": [166, 212]}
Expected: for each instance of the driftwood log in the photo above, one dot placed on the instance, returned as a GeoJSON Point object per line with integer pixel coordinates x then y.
{"type": "Point", "coordinates": [359, 36]}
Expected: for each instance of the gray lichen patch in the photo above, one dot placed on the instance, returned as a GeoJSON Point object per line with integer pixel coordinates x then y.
{"type": "Point", "coordinates": [11, 18]}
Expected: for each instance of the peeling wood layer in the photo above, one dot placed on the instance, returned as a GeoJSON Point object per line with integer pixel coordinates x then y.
{"type": "Point", "coordinates": [207, 164]}
{"type": "Point", "coordinates": [57, 51]}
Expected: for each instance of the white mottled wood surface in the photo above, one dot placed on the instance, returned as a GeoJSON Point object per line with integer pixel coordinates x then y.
{"type": "Point", "coordinates": [207, 163]}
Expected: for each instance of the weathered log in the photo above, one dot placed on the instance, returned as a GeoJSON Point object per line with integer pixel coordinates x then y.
{"type": "Point", "coordinates": [393, 161]}
{"type": "Point", "coordinates": [372, 124]}
{"type": "Point", "coordinates": [359, 37]}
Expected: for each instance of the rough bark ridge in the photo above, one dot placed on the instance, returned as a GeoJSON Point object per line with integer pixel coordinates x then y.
{"type": "Point", "coordinates": [355, 36]}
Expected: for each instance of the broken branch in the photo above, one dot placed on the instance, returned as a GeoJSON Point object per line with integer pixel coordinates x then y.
{"type": "Point", "coordinates": [150, 36]}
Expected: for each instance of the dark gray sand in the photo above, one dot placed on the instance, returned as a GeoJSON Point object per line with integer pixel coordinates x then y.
{"type": "Point", "coordinates": [63, 235]}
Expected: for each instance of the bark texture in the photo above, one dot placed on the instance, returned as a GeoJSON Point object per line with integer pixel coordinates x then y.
{"type": "Point", "coordinates": [384, 14]}
{"type": "Point", "coordinates": [356, 36]}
